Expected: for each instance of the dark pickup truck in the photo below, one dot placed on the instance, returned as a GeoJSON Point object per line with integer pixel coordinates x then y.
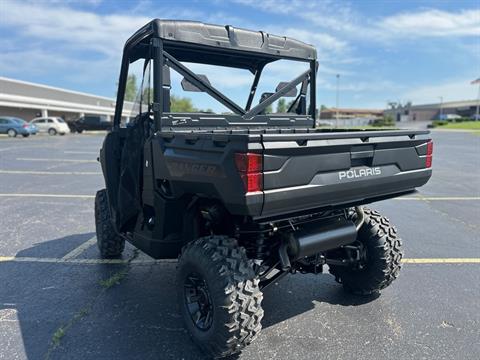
{"type": "Point", "coordinates": [246, 197]}
{"type": "Point", "coordinates": [90, 123]}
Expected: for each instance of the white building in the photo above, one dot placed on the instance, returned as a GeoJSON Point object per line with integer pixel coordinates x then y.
{"type": "Point", "coordinates": [428, 112]}
{"type": "Point", "coordinates": [28, 100]}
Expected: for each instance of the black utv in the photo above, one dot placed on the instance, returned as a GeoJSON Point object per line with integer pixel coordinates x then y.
{"type": "Point", "coordinates": [246, 196]}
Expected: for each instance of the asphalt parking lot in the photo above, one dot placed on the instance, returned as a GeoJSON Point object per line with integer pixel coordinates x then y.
{"type": "Point", "coordinates": [58, 300]}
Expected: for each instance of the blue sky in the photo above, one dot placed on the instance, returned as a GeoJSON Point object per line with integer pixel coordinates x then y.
{"type": "Point", "coordinates": [383, 50]}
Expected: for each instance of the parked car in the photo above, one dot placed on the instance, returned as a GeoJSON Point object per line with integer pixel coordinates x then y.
{"type": "Point", "coordinates": [91, 122]}
{"type": "Point", "coordinates": [475, 117]}
{"type": "Point", "coordinates": [13, 126]}
{"type": "Point", "coordinates": [51, 125]}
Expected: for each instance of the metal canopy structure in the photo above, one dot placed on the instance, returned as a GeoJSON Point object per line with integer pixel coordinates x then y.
{"type": "Point", "coordinates": [169, 43]}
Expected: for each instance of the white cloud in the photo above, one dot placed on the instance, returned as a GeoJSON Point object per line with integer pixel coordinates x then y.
{"type": "Point", "coordinates": [340, 17]}
{"type": "Point", "coordinates": [71, 28]}
{"type": "Point", "coordinates": [223, 77]}
{"type": "Point", "coordinates": [451, 90]}
{"type": "Point", "coordinates": [374, 85]}
{"type": "Point", "coordinates": [433, 23]}
{"type": "Point", "coordinates": [330, 14]}
{"type": "Point", "coordinates": [84, 30]}
{"type": "Point", "coordinates": [322, 41]}
{"type": "Point", "coordinates": [79, 46]}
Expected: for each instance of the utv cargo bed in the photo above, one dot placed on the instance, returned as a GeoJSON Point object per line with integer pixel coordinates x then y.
{"type": "Point", "coordinates": [301, 169]}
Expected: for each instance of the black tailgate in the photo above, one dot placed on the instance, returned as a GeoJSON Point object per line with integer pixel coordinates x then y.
{"type": "Point", "coordinates": [314, 170]}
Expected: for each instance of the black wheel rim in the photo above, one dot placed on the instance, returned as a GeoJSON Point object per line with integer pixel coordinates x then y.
{"type": "Point", "coordinates": [198, 301]}
{"type": "Point", "coordinates": [361, 256]}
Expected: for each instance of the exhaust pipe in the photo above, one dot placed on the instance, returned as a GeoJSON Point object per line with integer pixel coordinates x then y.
{"type": "Point", "coordinates": [314, 238]}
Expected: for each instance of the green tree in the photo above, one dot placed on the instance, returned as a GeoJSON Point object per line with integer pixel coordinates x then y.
{"type": "Point", "coordinates": [177, 103]}
{"type": "Point", "coordinates": [290, 103]}
{"type": "Point", "coordinates": [181, 104]}
{"type": "Point", "coordinates": [147, 95]}
{"type": "Point", "coordinates": [131, 88]}
{"type": "Point", "coordinates": [282, 106]}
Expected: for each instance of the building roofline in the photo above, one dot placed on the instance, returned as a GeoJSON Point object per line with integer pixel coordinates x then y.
{"type": "Point", "coordinates": [352, 109]}
{"type": "Point", "coordinates": [56, 88]}
{"type": "Point", "coordinates": [445, 104]}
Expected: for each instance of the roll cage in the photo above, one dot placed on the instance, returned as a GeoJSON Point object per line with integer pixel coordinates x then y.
{"type": "Point", "coordinates": [168, 43]}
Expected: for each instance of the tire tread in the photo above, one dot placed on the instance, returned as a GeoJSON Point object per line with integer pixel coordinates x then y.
{"type": "Point", "coordinates": [109, 242]}
{"type": "Point", "coordinates": [384, 247]}
{"type": "Point", "coordinates": [241, 297]}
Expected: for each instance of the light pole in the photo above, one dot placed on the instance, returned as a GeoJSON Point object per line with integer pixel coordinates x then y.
{"type": "Point", "coordinates": [477, 112]}
{"type": "Point", "coordinates": [441, 107]}
{"type": "Point", "coordinates": [338, 86]}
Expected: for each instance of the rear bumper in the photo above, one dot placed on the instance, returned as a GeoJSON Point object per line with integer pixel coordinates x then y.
{"type": "Point", "coordinates": [24, 131]}
{"type": "Point", "coordinates": [321, 192]}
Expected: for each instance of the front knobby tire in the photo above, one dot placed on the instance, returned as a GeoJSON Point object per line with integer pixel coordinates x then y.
{"type": "Point", "coordinates": [109, 243]}
{"type": "Point", "coordinates": [382, 257]}
{"type": "Point", "coordinates": [219, 295]}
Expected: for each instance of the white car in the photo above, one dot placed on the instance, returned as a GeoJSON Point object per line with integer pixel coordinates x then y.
{"type": "Point", "coordinates": [51, 125]}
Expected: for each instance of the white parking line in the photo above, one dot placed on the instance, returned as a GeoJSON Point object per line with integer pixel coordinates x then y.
{"type": "Point", "coordinates": [427, 261]}
{"type": "Point", "coordinates": [80, 249]}
{"type": "Point", "coordinates": [61, 261]}
{"type": "Point", "coordinates": [442, 261]}
{"type": "Point", "coordinates": [433, 198]}
{"type": "Point", "coordinates": [50, 196]}
{"type": "Point", "coordinates": [81, 152]}
{"type": "Point", "coordinates": [440, 198]}
{"type": "Point", "coordinates": [58, 160]}
{"type": "Point", "coordinates": [84, 261]}
{"type": "Point", "coordinates": [28, 172]}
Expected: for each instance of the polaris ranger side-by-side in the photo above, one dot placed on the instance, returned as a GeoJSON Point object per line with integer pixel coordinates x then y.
{"type": "Point", "coordinates": [244, 197]}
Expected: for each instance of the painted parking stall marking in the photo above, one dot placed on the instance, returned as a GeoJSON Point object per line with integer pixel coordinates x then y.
{"type": "Point", "coordinates": [80, 249]}
{"type": "Point", "coordinates": [440, 198]}
{"type": "Point", "coordinates": [73, 260]}
{"type": "Point", "coordinates": [426, 198]}
{"type": "Point", "coordinates": [58, 160]}
{"type": "Point", "coordinates": [28, 172]}
{"type": "Point", "coordinates": [67, 196]}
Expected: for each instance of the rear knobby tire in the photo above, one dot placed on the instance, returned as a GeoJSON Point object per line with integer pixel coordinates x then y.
{"type": "Point", "coordinates": [109, 243]}
{"type": "Point", "coordinates": [233, 291]}
{"type": "Point", "coordinates": [382, 261]}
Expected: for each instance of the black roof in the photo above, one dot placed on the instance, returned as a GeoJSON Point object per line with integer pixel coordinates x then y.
{"type": "Point", "coordinates": [193, 41]}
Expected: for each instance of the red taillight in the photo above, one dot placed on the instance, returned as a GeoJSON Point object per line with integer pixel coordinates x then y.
{"type": "Point", "coordinates": [25, 126]}
{"type": "Point", "coordinates": [428, 160]}
{"type": "Point", "coordinates": [248, 163]}
{"type": "Point", "coordinates": [250, 167]}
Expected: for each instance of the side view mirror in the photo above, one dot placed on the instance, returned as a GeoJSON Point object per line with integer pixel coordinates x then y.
{"type": "Point", "coordinates": [188, 86]}
{"type": "Point", "coordinates": [290, 93]}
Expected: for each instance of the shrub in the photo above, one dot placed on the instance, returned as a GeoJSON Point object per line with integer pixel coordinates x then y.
{"type": "Point", "coordinates": [436, 123]}
{"type": "Point", "coordinates": [385, 121]}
